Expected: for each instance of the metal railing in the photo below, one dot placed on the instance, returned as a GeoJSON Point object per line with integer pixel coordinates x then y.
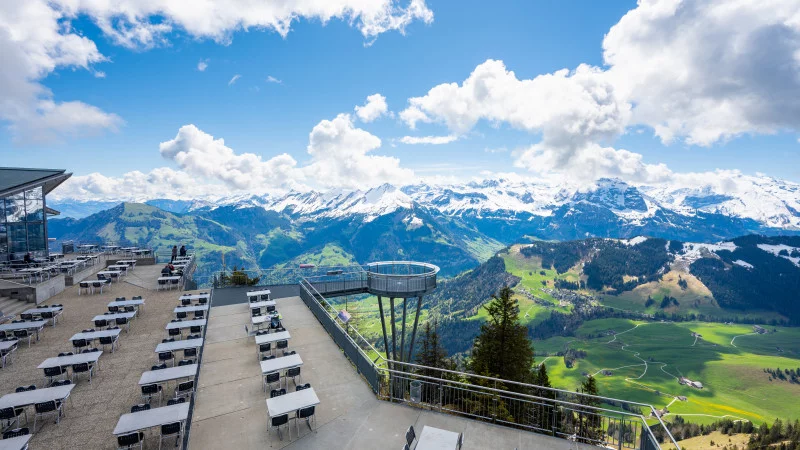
{"type": "Point", "coordinates": [401, 277]}
{"type": "Point", "coordinates": [590, 419]}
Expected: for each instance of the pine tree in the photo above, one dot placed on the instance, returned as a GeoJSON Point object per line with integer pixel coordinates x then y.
{"type": "Point", "coordinates": [433, 355]}
{"type": "Point", "coordinates": [590, 424]}
{"type": "Point", "coordinates": [502, 348]}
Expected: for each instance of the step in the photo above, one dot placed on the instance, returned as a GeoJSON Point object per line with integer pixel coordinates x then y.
{"type": "Point", "coordinates": [13, 306]}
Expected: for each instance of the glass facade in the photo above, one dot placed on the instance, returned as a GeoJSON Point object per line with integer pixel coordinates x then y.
{"type": "Point", "coordinates": [22, 225]}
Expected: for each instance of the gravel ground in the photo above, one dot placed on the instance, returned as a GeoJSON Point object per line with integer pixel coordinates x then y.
{"type": "Point", "coordinates": [93, 411]}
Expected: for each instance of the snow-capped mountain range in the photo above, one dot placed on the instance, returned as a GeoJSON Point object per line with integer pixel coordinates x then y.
{"type": "Point", "coordinates": [756, 204]}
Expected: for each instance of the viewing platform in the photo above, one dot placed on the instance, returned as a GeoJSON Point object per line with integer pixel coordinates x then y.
{"type": "Point", "coordinates": [403, 279]}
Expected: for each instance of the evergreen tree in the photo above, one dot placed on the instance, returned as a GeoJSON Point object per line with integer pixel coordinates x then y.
{"type": "Point", "coordinates": [431, 354]}
{"type": "Point", "coordinates": [589, 423]}
{"type": "Point", "coordinates": [502, 348]}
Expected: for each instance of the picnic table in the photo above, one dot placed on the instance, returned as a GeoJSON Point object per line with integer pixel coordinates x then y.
{"type": "Point", "coordinates": [293, 401]}
{"type": "Point", "coordinates": [109, 273]}
{"type": "Point", "coordinates": [115, 316]}
{"type": "Point", "coordinates": [179, 345]}
{"type": "Point", "coordinates": [186, 324]}
{"type": "Point", "coordinates": [80, 358]}
{"type": "Point", "coordinates": [95, 335]}
{"type": "Point", "coordinates": [154, 417]}
{"type": "Point", "coordinates": [193, 296]}
{"type": "Point", "coordinates": [119, 267]}
{"type": "Point", "coordinates": [19, 399]}
{"type": "Point", "coordinates": [36, 325]}
{"type": "Point", "coordinates": [266, 292]}
{"type": "Point", "coordinates": [282, 363]}
{"type": "Point", "coordinates": [15, 443]}
{"type": "Point", "coordinates": [436, 439]}
{"type": "Point", "coordinates": [273, 337]}
{"type": "Point", "coordinates": [262, 304]}
{"type": "Point", "coordinates": [168, 374]}
{"type": "Point", "coordinates": [118, 303]}
{"type": "Point", "coordinates": [191, 308]}
{"type": "Point", "coordinates": [168, 281]}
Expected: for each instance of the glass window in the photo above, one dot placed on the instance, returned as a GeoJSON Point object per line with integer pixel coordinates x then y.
{"type": "Point", "coordinates": [34, 206]}
{"type": "Point", "coordinates": [17, 238]}
{"type": "Point", "coordinates": [3, 240]}
{"type": "Point", "coordinates": [36, 237]}
{"type": "Point", "coordinates": [15, 208]}
{"type": "Point", "coordinates": [2, 210]}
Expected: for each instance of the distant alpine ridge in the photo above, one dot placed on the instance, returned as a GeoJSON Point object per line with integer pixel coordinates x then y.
{"type": "Point", "coordinates": [506, 209]}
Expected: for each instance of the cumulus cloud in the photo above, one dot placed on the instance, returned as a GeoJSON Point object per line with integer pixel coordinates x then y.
{"type": "Point", "coordinates": [34, 43]}
{"type": "Point", "coordinates": [696, 70]}
{"type": "Point", "coordinates": [37, 38]}
{"type": "Point", "coordinates": [579, 104]}
{"type": "Point", "coordinates": [146, 23]}
{"type": "Point", "coordinates": [200, 154]}
{"type": "Point", "coordinates": [708, 70]}
{"type": "Point", "coordinates": [374, 108]}
{"type": "Point", "coordinates": [202, 65]}
{"type": "Point", "coordinates": [162, 182]}
{"type": "Point", "coordinates": [340, 157]}
{"type": "Point", "coordinates": [432, 140]}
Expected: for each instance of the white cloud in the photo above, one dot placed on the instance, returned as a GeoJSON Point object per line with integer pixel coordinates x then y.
{"type": "Point", "coordinates": [374, 108]}
{"type": "Point", "coordinates": [146, 23]}
{"type": "Point", "coordinates": [234, 79]}
{"type": "Point", "coordinates": [33, 44]}
{"type": "Point", "coordinates": [162, 182]}
{"type": "Point", "coordinates": [37, 38]}
{"type": "Point", "coordinates": [563, 105]}
{"type": "Point", "coordinates": [200, 154]}
{"type": "Point", "coordinates": [340, 157]}
{"type": "Point", "coordinates": [99, 74]}
{"type": "Point", "coordinates": [271, 79]}
{"type": "Point", "coordinates": [709, 70]}
{"type": "Point", "coordinates": [433, 140]}
{"type": "Point", "coordinates": [202, 65]}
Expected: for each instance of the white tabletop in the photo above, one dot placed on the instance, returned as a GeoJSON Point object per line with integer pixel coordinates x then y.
{"type": "Point", "coordinates": [127, 315]}
{"type": "Point", "coordinates": [108, 272]}
{"type": "Point", "coordinates": [70, 263]}
{"type": "Point", "coordinates": [23, 325]}
{"type": "Point", "coordinates": [129, 248]}
{"type": "Point", "coordinates": [284, 404]}
{"type": "Point", "coordinates": [262, 304]}
{"type": "Point", "coordinates": [261, 292]}
{"type": "Point", "coordinates": [118, 266]}
{"type": "Point", "coordinates": [193, 296]}
{"type": "Point", "coordinates": [436, 439]}
{"type": "Point", "coordinates": [80, 358]}
{"type": "Point", "coordinates": [170, 373]}
{"type": "Point", "coordinates": [5, 345]}
{"type": "Point", "coordinates": [273, 337]}
{"type": "Point", "coordinates": [95, 334]}
{"type": "Point", "coordinates": [179, 345]}
{"type": "Point", "coordinates": [127, 261]}
{"type": "Point", "coordinates": [45, 309]}
{"type": "Point", "coordinates": [15, 443]}
{"type": "Point", "coordinates": [186, 324]}
{"type": "Point", "coordinates": [170, 278]}
{"type": "Point", "coordinates": [35, 396]}
{"type": "Point", "coordinates": [31, 270]}
{"type": "Point", "coordinates": [191, 308]}
{"type": "Point", "coordinates": [284, 362]}
{"type": "Point", "coordinates": [153, 417]}
{"type": "Point", "coordinates": [126, 303]}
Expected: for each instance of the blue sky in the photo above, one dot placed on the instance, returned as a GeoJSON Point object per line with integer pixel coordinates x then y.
{"type": "Point", "coordinates": [326, 70]}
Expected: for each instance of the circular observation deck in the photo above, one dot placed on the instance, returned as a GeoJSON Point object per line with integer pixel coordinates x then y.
{"type": "Point", "coordinates": [401, 278]}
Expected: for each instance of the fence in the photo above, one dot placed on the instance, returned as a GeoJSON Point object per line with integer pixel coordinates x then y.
{"type": "Point", "coordinates": [584, 418]}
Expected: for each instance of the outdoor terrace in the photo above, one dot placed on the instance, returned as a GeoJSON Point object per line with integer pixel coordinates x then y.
{"type": "Point", "coordinates": [92, 411]}
{"type": "Point", "coordinates": [230, 411]}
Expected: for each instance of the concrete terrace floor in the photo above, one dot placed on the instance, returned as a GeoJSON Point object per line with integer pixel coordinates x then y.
{"type": "Point", "coordinates": [230, 409]}
{"type": "Point", "coordinates": [92, 411]}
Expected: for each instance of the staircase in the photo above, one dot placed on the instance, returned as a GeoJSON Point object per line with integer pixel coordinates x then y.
{"type": "Point", "coordinates": [11, 306]}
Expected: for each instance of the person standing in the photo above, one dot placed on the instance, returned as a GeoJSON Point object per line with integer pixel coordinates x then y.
{"type": "Point", "coordinates": [174, 253]}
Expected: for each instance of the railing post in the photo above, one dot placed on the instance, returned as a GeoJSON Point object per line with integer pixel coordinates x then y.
{"type": "Point", "coordinates": [441, 395]}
